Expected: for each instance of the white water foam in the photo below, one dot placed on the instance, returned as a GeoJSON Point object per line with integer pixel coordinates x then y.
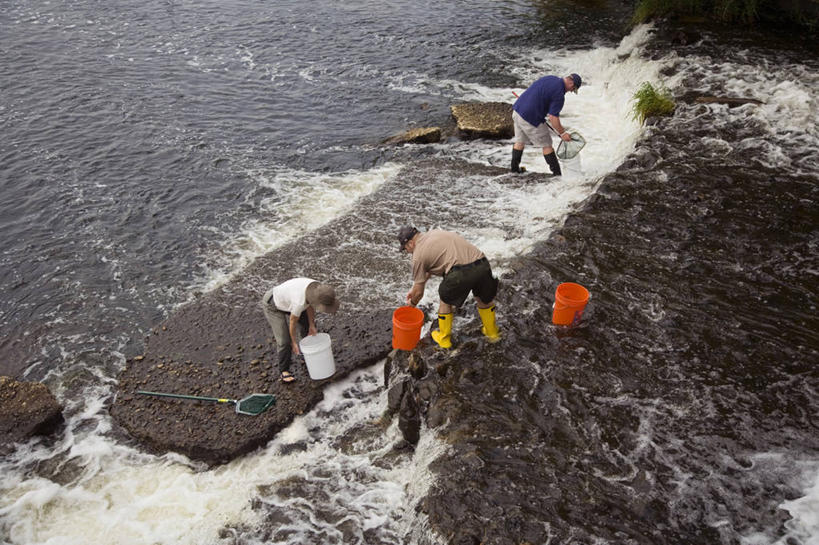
{"type": "Point", "coordinates": [804, 511]}
{"type": "Point", "coordinates": [116, 494]}
{"type": "Point", "coordinates": [298, 201]}
{"type": "Point", "coordinates": [291, 203]}
{"type": "Point", "coordinates": [803, 527]}
{"type": "Point", "coordinates": [788, 114]}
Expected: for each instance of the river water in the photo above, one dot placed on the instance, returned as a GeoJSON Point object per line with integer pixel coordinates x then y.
{"type": "Point", "coordinates": [152, 150]}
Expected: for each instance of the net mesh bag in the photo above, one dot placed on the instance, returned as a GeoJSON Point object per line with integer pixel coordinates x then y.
{"type": "Point", "coordinates": [255, 404]}
{"type": "Point", "coordinates": [567, 150]}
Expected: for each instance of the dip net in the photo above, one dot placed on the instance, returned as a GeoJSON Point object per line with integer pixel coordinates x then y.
{"type": "Point", "coordinates": [568, 150]}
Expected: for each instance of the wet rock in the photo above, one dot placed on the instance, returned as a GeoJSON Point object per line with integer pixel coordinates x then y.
{"type": "Point", "coordinates": [438, 414]}
{"type": "Point", "coordinates": [468, 539]}
{"type": "Point", "coordinates": [531, 422]}
{"type": "Point", "coordinates": [396, 394]}
{"type": "Point", "coordinates": [484, 119]}
{"type": "Point", "coordinates": [685, 37]}
{"type": "Point", "coordinates": [731, 102]}
{"type": "Point", "coordinates": [424, 135]}
{"type": "Point", "coordinates": [300, 446]}
{"type": "Point", "coordinates": [391, 370]}
{"type": "Point", "coordinates": [26, 409]}
{"type": "Point", "coordinates": [409, 418]}
{"type": "Point", "coordinates": [416, 366]}
{"type": "Point", "coordinates": [402, 445]}
{"type": "Point", "coordinates": [212, 432]}
{"type": "Point", "coordinates": [402, 395]}
{"type": "Point", "coordinates": [427, 390]}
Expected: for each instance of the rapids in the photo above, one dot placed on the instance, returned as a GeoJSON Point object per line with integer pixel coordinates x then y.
{"type": "Point", "coordinates": [155, 150]}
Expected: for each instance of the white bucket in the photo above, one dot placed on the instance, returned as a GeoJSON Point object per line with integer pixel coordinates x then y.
{"type": "Point", "coordinates": [318, 356]}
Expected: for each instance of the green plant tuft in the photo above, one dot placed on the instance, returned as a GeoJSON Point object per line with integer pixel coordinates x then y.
{"type": "Point", "coordinates": [649, 102]}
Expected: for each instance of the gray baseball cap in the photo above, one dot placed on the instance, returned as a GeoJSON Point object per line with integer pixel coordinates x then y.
{"type": "Point", "coordinates": [405, 234]}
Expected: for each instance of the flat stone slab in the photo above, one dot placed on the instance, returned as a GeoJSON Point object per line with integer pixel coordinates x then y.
{"type": "Point", "coordinates": [26, 409]}
{"type": "Point", "coordinates": [424, 135]}
{"type": "Point", "coordinates": [220, 345]}
{"type": "Point", "coordinates": [228, 355]}
{"type": "Point", "coordinates": [484, 119]}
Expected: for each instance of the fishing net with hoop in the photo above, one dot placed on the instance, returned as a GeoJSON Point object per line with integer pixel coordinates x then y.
{"type": "Point", "coordinates": [568, 150]}
{"type": "Point", "coordinates": [255, 404]}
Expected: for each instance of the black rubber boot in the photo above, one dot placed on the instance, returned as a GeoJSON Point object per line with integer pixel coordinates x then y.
{"type": "Point", "coordinates": [517, 155]}
{"type": "Point", "coordinates": [551, 160]}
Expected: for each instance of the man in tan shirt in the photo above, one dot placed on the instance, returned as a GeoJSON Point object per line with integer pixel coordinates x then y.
{"type": "Point", "coordinates": [465, 269]}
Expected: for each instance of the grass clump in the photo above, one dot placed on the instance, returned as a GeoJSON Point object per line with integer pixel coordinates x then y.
{"type": "Point", "coordinates": [649, 102]}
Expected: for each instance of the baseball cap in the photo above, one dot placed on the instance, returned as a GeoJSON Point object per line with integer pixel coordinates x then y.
{"type": "Point", "coordinates": [577, 82]}
{"type": "Point", "coordinates": [405, 234]}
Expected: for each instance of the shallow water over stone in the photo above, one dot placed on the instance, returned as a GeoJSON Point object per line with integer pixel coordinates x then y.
{"type": "Point", "coordinates": [680, 410]}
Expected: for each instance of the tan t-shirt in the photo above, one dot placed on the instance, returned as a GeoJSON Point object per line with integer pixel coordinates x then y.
{"type": "Point", "coordinates": [438, 251]}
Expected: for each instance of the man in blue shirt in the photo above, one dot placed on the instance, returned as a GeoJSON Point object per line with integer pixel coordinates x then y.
{"type": "Point", "coordinates": [536, 113]}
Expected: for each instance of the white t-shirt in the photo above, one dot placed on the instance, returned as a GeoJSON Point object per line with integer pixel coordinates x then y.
{"type": "Point", "coordinates": [291, 296]}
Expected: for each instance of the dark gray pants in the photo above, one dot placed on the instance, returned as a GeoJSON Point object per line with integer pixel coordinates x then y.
{"type": "Point", "coordinates": [280, 324]}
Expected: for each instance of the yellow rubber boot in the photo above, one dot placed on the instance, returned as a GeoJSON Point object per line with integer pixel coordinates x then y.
{"type": "Point", "coordinates": [490, 328]}
{"type": "Point", "coordinates": [444, 333]}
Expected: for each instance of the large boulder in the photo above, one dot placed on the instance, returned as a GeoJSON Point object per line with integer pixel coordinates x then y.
{"type": "Point", "coordinates": [484, 119]}
{"type": "Point", "coordinates": [26, 409]}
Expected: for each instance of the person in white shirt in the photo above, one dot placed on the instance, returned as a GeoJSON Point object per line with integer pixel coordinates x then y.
{"type": "Point", "coordinates": [290, 309]}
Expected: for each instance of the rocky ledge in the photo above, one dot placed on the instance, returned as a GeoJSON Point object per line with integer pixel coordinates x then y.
{"type": "Point", "coordinates": [731, 102]}
{"type": "Point", "coordinates": [424, 135]}
{"type": "Point", "coordinates": [26, 409]}
{"type": "Point", "coordinates": [220, 347]}
{"type": "Point", "coordinates": [537, 424]}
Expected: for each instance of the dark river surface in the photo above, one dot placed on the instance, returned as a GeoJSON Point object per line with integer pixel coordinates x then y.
{"type": "Point", "coordinates": [151, 150]}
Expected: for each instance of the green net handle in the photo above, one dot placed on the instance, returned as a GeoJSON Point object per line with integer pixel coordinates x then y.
{"type": "Point", "coordinates": [182, 396]}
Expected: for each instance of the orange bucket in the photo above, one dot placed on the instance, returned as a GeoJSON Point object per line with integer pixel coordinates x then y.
{"type": "Point", "coordinates": [406, 327]}
{"type": "Point", "coordinates": [570, 300]}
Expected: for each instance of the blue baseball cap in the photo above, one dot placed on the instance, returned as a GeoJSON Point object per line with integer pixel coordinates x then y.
{"type": "Point", "coordinates": [577, 81]}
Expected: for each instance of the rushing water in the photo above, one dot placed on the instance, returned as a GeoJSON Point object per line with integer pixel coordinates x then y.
{"type": "Point", "coordinates": [153, 149]}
